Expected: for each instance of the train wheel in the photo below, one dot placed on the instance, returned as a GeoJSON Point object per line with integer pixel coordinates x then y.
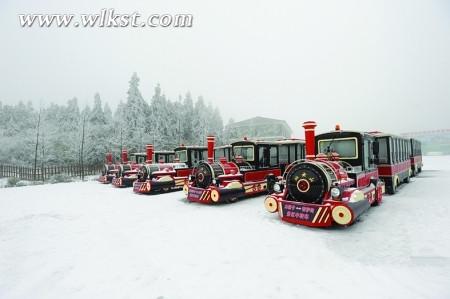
{"type": "Point", "coordinates": [392, 189]}
{"type": "Point", "coordinates": [166, 189]}
{"type": "Point", "coordinates": [407, 179]}
{"type": "Point", "coordinates": [231, 200]}
{"type": "Point", "coordinates": [271, 204]}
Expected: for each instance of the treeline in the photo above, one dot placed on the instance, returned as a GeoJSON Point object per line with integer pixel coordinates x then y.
{"type": "Point", "coordinates": [55, 132]}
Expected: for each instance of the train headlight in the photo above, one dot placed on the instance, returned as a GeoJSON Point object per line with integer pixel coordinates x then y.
{"type": "Point", "coordinates": [276, 187]}
{"type": "Point", "coordinates": [335, 192]}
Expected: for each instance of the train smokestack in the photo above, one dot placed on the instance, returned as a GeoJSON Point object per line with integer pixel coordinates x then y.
{"type": "Point", "coordinates": [310, 139]}
{"type": "Point", "coordinates": [149, 149]}
{"type": "Point", "coordinates": [124, 156]}
{"type": "Point", "coordinates": [211, 141]}
{"type": "Point", "coordinates": [109, 158]}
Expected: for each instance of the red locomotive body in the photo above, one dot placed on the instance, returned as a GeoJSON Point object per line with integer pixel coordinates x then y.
{"type": "Point", "coordinates": [253, 170]}
{"type": "Point", "coordinates": [336, 185]}
{"type": "Point", "coordinates": [127, 171]}
{"type": "Point", "coordinates": [165, 176]}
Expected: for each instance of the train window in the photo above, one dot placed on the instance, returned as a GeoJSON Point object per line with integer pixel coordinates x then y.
{"type": "Point", "coordinates": [284, 153]}
{"type": "Point", "coordinates": [402, 150]}
{"type": "Point", "coordinates": [219, 153]}
{"type": "Point", "coordinates": [347, 148]}
{"type": "Point", "coordinates": [383, 151]}
{"type": "Point", "coordinates": [398, 150]}
{"type": "Point", "coordinates": [196, 156]}
{"type": "Point", "coordinates": [394, 151]}
{"type": "Point", "coordinates": [204, 154]}
{"type": "Point", "coordinates": [274, 155]}
{"type": "Point", "coordinates": [264, 156]}
{"type": "Point", "coordinates": [405, 144]}
{"type": "Point", "coordinates": [292, 154]}
{"type": "Point", "coordinates": [406, 149]}
{"type": "Point", "coordinates": [181, 155]}
{"type": "Point", "coordinates": [245, 151]}
{"type": "Point", "coordinates": [300, 152]}
{"type": "Point", "coordinates": [366, 154]}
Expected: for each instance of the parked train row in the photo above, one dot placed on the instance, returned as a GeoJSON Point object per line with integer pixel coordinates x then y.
{"type": "Point", "coordinates": [326, 179]}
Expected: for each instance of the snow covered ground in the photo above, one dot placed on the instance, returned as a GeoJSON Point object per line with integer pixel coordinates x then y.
{"type": "Point", "coordinates": [87, 240]}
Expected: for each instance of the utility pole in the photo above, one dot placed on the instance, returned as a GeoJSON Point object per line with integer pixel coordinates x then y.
{"type": "Point", "coordinates": [37, 144]}
{"type": "Point", "coordinates": [82, 149]}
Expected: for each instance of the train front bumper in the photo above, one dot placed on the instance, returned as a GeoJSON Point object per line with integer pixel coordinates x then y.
{"type": "Point", "coordinates": [123, 182]}
{"type": "Point", "coordinates": [105, 179]}
{"type": "Point", "coordinates": [316, 215]}
{"type": "Point", "coordinates": [212, 194]}
{"type": "Point", "coordinates": [150, 186]}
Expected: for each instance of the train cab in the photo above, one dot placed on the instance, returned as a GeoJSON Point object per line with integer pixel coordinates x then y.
{"type": "Point", "coordinates": [290, 150]}
{"type": "Point", "coordinates": [222, 152]}
{"type": "Point", "coordinates": [164, 156]}
{"type": "Point", "coordinates": [191, 155]}
{"type": "Point", "coordinates": [138, 158]}
{"type": "Point", "coordinates": [251, 155]}
{"type": "Point", "coordinates": [355, 150]}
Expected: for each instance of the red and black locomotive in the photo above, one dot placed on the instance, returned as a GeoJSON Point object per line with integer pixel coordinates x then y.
{"type": "Point", "coordinates": [336, 183]}
{"type": "Point", "coordinates": [109, 171]}
{"type": "Point", "coordinates": [127, 171]}
{"type": "Point", "coordinates": [253, 169]}
{"type": "Point", "coordinates": [156, 177]}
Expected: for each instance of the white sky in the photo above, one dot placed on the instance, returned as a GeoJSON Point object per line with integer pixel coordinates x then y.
{"type": "Point", "coordinates": [364, 64]}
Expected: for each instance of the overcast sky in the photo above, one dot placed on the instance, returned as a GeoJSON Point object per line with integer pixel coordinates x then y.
{"type": "Point", "coordinates": [364, 64]}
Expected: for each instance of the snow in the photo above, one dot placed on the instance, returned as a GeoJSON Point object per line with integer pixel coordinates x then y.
{"type": "Point", "coordinates": [87, 240]}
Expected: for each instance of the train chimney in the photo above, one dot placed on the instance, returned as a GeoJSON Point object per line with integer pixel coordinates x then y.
{"type": "Point", "coordinates": [109, 158]}
{"type": "Point", "coordinates": [124, 156]}
{"type": "Point", "coordinates": [149, 148]}
{"type": "Point", "coordinates": [211, 140]}
{"type": "Point", "coordinates": [310, 139]}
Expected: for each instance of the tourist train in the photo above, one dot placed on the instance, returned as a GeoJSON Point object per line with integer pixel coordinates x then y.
{"type": "Point", "coordinates": [252, 169]}
{"type": "Point", "coordinates": [156, 177]}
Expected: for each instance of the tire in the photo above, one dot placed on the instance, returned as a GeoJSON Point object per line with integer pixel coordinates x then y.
{"type": "Point", "coordinates": [392, 189]}
{"type": "Point", "coordinates": [232, 200]}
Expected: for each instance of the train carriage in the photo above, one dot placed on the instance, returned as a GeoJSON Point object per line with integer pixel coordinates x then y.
{"type": "Point", "coordinates": [253, 169]}
{"type": "Point", "coordinates": [393, 160]}
{"type": "Point", "coordinates": [336, 183]}
{"type": "Point", "coordinates": [157, 177]}
{"type": "Point", "coordinates": [416, 156]}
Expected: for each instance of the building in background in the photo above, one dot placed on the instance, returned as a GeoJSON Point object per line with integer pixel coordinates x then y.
{"type": "Point", "coordinates": [257, 128]}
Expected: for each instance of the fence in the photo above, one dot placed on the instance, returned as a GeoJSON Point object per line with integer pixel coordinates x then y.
{"type": "Point", "coordinates": [44, 173]}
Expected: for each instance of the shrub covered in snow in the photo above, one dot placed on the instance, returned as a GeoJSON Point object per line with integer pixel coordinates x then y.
{"type": "Point", "coordinates": [60, 178]}
{"type": "Point", "coordinates": [12, 181]}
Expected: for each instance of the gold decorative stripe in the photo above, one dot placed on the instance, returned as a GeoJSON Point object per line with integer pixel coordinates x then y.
{"type": "Point", "coordinates": [317, 215]}
{"type": "Point", "coordinates": [323, 214]}
{"type": "Point", "coordinates": [326, 219]}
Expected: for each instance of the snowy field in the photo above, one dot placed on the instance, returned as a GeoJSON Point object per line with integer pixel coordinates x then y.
{"type": "Point", "coordinates": [87, 240]}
